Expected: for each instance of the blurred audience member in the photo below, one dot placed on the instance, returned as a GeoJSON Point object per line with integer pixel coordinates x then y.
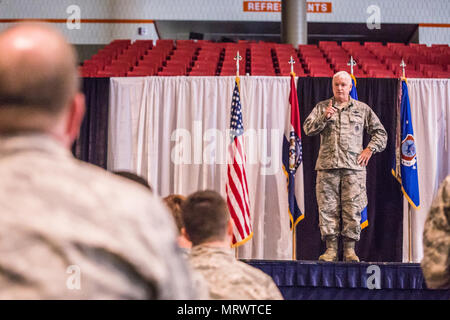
{"type": "Point", "coordinates": [68, 229]}
{"type": "Point", "coordinates": [209, 227]}
{"type": "Point", "coordinates": [436, 240]}
{"type": "Point", "coordinates": [134, 177]}
{"type": "Point", "coordinates": [174, 202]}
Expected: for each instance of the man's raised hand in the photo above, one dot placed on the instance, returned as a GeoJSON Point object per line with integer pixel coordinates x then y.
{"type": "Point", "coordinates": [330, 110]}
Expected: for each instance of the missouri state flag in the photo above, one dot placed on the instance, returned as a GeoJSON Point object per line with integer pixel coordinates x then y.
{"type": "Point", "coordinates": [404, 166]}
{"type": "Point", "coordinates": [292, 159]}
{"type": "Point", "coordinates": [354, 94]}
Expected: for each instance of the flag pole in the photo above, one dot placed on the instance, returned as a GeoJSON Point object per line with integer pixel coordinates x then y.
{"type": "Point", "coordinates": [403, 66]}
{"type": "Point", "coordinates": [291, 62]}
{"type": "Point", "coordinates": [409, 234]}
{"type": "Point", "coordinates": [237, 58]}
{"type": "Point", "coordinates": [351, 63]}
{"type": "Point", "coordinates": [294, 241]}
{"type": "Point", "coordinates": [294, 247]}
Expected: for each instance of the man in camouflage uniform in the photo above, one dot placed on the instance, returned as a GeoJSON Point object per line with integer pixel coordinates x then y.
{"type": "Point", "coordinates": [209, 227]}
{"type": "Point", "coordinates": [68, 229]}
{"type": "Point", "coordinates": [341, 164]}
{"type": "Point", "coordinates": [436, 240]}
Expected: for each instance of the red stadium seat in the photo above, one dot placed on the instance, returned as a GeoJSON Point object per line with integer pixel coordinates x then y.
{"type": "Point", "coordinates": [123, 57]}
{"type": "Point", "coordinates": [107, 74]}
{"type": "Point", "coordinates": [321, 73]}
{"type": "Point", "coordinates": [376, 73]}
{"type": "Point", "coordinates": [438, 74]}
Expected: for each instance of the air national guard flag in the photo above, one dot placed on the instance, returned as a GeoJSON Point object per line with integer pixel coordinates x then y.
{"type": "Point", "coordinates": [236, 185]}
{"type": "Point", "coordinates": [405, 161]}
{"type": "Point", "coordinates": [354, 95]}
{"type": "Point", "coordinates": [292, 159]}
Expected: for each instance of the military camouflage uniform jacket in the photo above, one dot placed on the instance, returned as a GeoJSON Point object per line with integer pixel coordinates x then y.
{"type": "Point", "coordinates": [70, 230]}
{"type": "Point", "coordinates": [341, 136]}
{"type": "Point", "coordinates": [230, 279]}
{"type": "Point", "coordinates": [436, 240]}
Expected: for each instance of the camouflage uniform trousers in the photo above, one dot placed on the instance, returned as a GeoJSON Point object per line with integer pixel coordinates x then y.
{"type": "Point", "coordinates": [341, 189]}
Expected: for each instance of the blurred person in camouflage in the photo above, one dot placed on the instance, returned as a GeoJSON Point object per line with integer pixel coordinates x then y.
{"type": "Point", "coordinates": [175, 203]}
{"type": "Point", "coordinates": [436, 240]}
{"type": "Point", "coordinates": [341, 164]}
{"type": "Point", "coordinates": [68, 229]}
{"type": "Point", "coordinates": [209, 227]}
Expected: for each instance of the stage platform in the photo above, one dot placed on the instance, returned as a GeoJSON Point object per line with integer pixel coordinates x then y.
{"type": "Point", "coordinates": [314, 280]}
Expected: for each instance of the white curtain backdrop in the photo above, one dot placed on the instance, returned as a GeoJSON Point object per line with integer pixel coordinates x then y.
{"type": "Point", "coordinates": [430, 112]}
{"type": "Point", "coordinates": [174, 132]}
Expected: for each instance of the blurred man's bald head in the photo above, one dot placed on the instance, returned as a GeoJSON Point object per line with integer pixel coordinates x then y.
{"type": "Point", "coordinates": [38, 75]}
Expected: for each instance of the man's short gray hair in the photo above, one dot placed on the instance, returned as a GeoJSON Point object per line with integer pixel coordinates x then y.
{"type": "Point", "coordinates": [342, 74]}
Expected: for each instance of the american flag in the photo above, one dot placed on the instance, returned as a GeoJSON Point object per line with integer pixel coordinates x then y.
{"type": "Point", "coordinates": [237, 187]}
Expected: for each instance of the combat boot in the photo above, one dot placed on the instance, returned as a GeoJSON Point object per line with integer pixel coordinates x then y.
{"type": "Point", "coordinates": [331, 252]}
{"type": "Point", "coordinates": [349, 251]}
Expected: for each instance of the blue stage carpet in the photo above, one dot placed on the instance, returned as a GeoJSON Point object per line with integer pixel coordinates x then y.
{"type": "Point", "coordinates": [314, 280]}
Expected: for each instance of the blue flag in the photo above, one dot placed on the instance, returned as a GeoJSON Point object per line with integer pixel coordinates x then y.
{"type": "Point", "coordinates": [354, 94]}
{"type": "Point", "coordinates": [405, 161]}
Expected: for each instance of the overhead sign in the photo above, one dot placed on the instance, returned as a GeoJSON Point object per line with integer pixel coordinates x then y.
{"type": "Point", "coordinates": [275, 6]}
{"type": "Point", "coordinates": [262, 6]}
{"type": "Point", "coordinates": [319, 7]}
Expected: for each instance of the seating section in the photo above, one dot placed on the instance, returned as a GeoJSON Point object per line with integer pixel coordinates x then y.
{"type": "Point", "coordinates": [227, 66]}
{"type": "Point", "coordinates": [123, 58]}
{"type": "Point", "coordinates": [206, 62]}
{"type": "Point", "coordinates": [315, 60]}
{"type": "Point", "coordinates": [282, 54]}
